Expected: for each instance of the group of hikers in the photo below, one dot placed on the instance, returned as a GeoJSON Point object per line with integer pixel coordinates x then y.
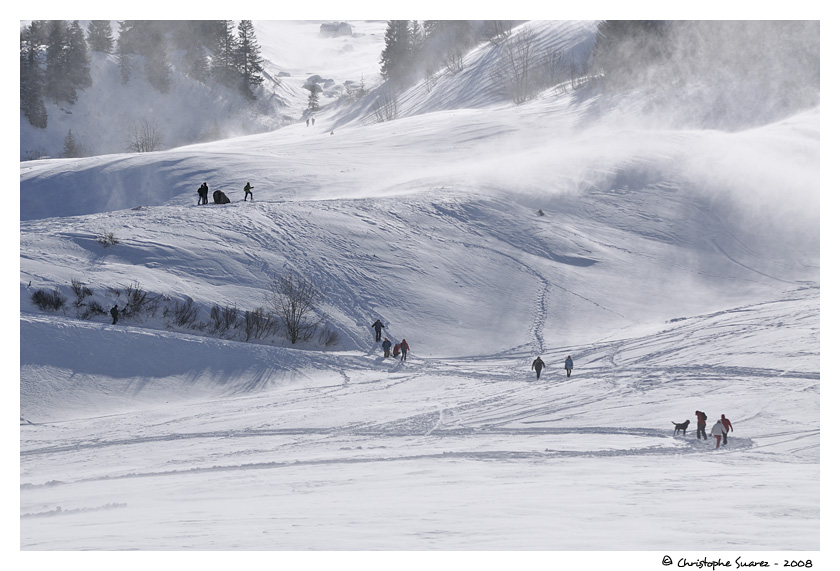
{"type": "Point", "coordinates": [721, 428]}
{"type": "Point", "coordinates": [220, 197]}
{"type": "Point", "coordinates": [538, 365]}
{"type": "Point", "coordinates": [400, 348]}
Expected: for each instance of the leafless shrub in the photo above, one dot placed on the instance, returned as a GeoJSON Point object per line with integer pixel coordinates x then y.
{"type": "Point", "coordinates": [107, 239]}
{"type": "Point", "coordinates": [259, 323]}
{"type": "Point", "coordinates": [223, 319]}
{"type": "Point", "coordinates": [48, 300]}
{"type": "Point", "coordinates": [499, 30]}
{"type": "Point", "coordinates": [386, 107]}
{"type": "Point", "coordinates": [454, 60]}
{"type": "Point", "coordinates": [139, 302]}
{"type": "Point", "coordinates": [184, 314]}
{"type": "Point", "coordinates": [91, 309]}
{"type": "Point", "coordinates": [328, 337]}
{"type": "Point", "coordinates": [81, 291]}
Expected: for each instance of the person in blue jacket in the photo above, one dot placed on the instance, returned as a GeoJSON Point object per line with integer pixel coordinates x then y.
{"type": "Point", "coordinates": [386, 345]}
{"type": "Point", "coordinates": [569, 366]}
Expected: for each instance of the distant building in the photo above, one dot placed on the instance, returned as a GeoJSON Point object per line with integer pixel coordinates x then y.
{"type": "Point", "coordinates": [333, 29]}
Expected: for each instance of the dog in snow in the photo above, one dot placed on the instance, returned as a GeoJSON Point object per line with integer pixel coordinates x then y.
{"type": "Point", "coordinates": [680, 426]}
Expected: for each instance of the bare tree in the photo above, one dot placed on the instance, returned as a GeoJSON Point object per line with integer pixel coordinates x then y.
{"type": "Point", "coordinates": [385, 108]}
{"type": "Point", "coordinates": [294, 300]}
{"type": "Point", "coordinates": [516, 69]}
{"type": "Point", "coordinates": [454, 59]}
{"type": "Point", "coordinates": [144, 136]}
{"type": "Point", "coordinates": [498, 31]}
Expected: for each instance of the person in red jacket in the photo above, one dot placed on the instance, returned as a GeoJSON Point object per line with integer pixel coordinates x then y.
{"type": "Point", "coordinates": [727, 427]}
{"type": "Point", "coordinates": [403, 349]}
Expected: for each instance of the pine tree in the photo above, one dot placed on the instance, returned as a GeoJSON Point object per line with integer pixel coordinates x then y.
{"type": "Point", "coordinates": [313, 96]}
{"type": "Point", "coordinates": [195, 59]}
{"type": "Point", "coordinates": [125, 50]}
{"type": "Point", "coordinates": [223, 65]}
{"type": "Point", "coordinates": [78, 62]}
{"type": "Point", "coordinates": [158, 67]}
{"type": "Point", "coordinates": [395, 58]}
{"type": "Point", "coordinates": [59, 86]}
{"type": "Point", "coordinates": [247, 57]}
{"type": "Point", "coordinates": [100, 37]}
{"type": "Point", "coordinates": [72, 149]}
{"type": "Point", "coordinates": [32, 78]}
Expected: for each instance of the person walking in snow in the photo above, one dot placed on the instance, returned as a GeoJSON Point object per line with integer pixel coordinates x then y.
{"type": "Point", "coordinates": [248, 188]}
{"type": "Point", "coordinates": [727, 427]}
{"type": "Point", "coordinates": [538, 365]}
{"type": "Point", "coordinates": [114, 313]}
{"type": "Point", "coordinates": [403, 349]}
{"type": "Point", "coordinates": [718, 431]}
{"type": "Point", "coordinates": [569, 365]}
{"type": "Point", "coordinates": [386, 345]}
{"type": "Point", "coordinates": [701, 424]}
{"type": "Point", "coordinates": [377, 326]}
{"type": "Point", "coordinates": [202, 193]}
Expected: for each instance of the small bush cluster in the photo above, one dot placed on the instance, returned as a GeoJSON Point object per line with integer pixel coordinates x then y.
{"type": "Point", "coordinates": [85, 308]}
{"type": "Point", "coordinates": [107, 239]}
{"type": "Point", "coordinates": [259, 323]}
{"type": "Point", "coordinates": [223, 321]}
{"type": "Point", "coordinates": [139, 302]}
{"type": "Point", "coordinates": [48, 300]}
{"type": "Point", "coordinates": [184, 313]}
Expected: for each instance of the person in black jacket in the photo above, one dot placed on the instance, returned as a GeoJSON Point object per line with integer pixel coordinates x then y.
{"type": "Point", "coordinates": [114, 313]}
{"type": "Point", "coordinates": [377, 326]}
{"type": "Point", "coordinates": [538, 365]}
{"type": "Point", "coordinates": [202, 193]}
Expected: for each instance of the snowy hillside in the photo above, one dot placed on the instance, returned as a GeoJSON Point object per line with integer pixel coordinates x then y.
{"type": "Point", "coordinates": [103, 117]}
{"type": "Point", "coordinates": [670, 263]}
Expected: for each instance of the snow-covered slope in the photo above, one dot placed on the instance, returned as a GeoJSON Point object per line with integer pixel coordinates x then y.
{"type": "Point", "coordinates": [662, 262]}
{"type": "Point", "coordinates": [104, 116]}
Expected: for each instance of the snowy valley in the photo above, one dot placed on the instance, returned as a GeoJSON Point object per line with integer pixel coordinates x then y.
{"type": "Point", "coordinates": [668, 260]}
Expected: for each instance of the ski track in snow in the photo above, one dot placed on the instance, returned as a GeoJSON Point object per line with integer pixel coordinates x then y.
{"type": "Point", "coordinates": [515, 410]}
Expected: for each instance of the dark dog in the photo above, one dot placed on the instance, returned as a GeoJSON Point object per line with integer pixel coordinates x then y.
{"type": "Point", "coordinates": [681, 426]}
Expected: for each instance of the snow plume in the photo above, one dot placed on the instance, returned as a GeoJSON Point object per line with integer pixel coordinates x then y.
{"type": "Point", "coordinates": [769, 176]}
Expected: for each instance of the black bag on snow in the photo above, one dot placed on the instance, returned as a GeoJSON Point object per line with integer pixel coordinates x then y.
{"type": "Point", "coordinates": [220, 197]}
